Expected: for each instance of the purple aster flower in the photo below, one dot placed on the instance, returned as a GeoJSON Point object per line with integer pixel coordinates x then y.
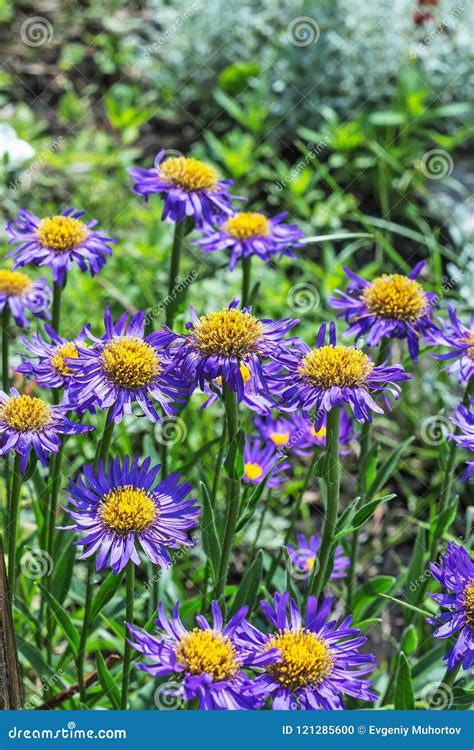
{"type": "Point", "coordinates": [122, 367]}
{"type": "Point", "coordinates": [247, 233]}
{"type": "Point", "coordinates": [207, 662]}
{"type": "Point", "coordinates": [27, 422]}
{"type": "Point", "coordinates": [304, 555]}
{"type": "Point", "coordinates": [123, 508]}
{"type": "Point", "coordinates": [332, 375]}
{"type": "Point", "coordinates": [261, 461]}
{"type": "Point", "coordinates": [218, 344]}
{"type": "Point", "coordinates": [51, 369]}
{"type": "Point", "coordinates": [22, 295]}
{"type": "Point", "coordinates": [455, 573]}
{"type": "Point", "coordinates": [58, 241]}
{"type": "Point", "coordinates": [189, 187]}
{"type": "Point", "coordinates": [318, 661]}
{"type": "Point", "coordinates": [460, 340]}
{"type": "Point", "coordinates": [390, 306]}
{"type": "Point", "coordinates": [464, 420]}
{"type": "Point", "coordinates": [297, 433]}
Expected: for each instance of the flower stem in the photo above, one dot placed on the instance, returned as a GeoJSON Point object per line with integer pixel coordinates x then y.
{"type": "Point", "coordinates": [333, 481]}
{"type": "Point", "coordinates": [101, 455]}
{"type": "Point", "coordinates": [5, 347]}
{"type": "Point", "coordinates": [127, 653]}
{"type": "Point", "coordinates": [246, 275]}
{"type": "Point", "coordinates": [57, 292]}
{"type": "Point", "coordinates": [53, 504]}
{"type": "Point", "coordinates": [219, 460]}
{"type": "Point", "coordinates": [179, 229]}
{"type": "Point", "coordinates": [81, 657]}
{"type": "Point", "coordinates": [294, 516]}
{"type": "Point", "coordinates": [233, 497]}
{"type": "Point", "coordinates": [13, 522]}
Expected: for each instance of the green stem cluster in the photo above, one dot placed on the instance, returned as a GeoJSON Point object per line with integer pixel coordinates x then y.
{"type": "Point", "coordinates": [333, 481]}
{"type": "Point", "coordinates": [233, 497]}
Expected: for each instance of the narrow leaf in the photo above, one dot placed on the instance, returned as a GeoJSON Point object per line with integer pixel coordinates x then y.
{"type": "Point", "coordinates": [108, 683]}
{"type": "Point", "coordinates": [247, 592]}
{"type": "Point", "coordinates": [63, 620]}
{"type": "Point", "coordinates": [404, 699]}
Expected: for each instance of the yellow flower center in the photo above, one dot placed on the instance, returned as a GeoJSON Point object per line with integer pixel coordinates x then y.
{"type": "Point", "coordinates": [335, 366]}
{"type": "Point", "coordinates": [280, 438]}
{"type": "Point", "coordinates": [206, 651]}
{"type": "Point", "coordinates": [310, 563]}
{"type": "Point", "coordinates": [61, 233]}
{"type": "Point", "coordinates": [318, 434]}
{"type": "Point", "coordinates": [469, 604]}
{"type": "Point", "coordinates": [128, 509]}
{"type": "Point", "coordinates": [395, 296]}
{"type": "Point", "coordinates": [189, 174]}
{"type": "Point", "coordinates": [305, 659]}
{"type": "Point", "coordinates": [252, 471]}
{"type": "Point", "coordinates": [247, 224]}
{"type": "Point", "coordinates": [130, 362]}
{"type": "Point", "coordinates": [26, 413]}
{"type": "Point", "coordinates": [13, 283]}
{"type": "Point", "coordinates": [230, 333]}
{"type": "Point", "coordinates": [469, 340]}
{"type": "Point", "coordinates": [60, 354]}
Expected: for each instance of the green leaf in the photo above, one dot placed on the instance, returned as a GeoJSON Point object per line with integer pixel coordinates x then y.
{"type": "Point", "coordinates": [108, 683]}
{"type": "Point", "coordinates": [234, 462]}
{"type": "Point", "coordinates": [334, 237]}
{"type": "Point", "coordinates": [366, 593]}
{"type": "Point", "coordinates": [247, 592]}
{"type": "Point", "coordinates": [404, 698]}
{"type": "Point", "coordinates": [63, 620]}
{"type": "Point", "coordinates": [410, 640]}
{"type": "Point", "coordinates": [106, 592]}
{"type": "Point", "coordinates": [388, 467]}
{"type": "Point", "coordinates": [210, 537]}
{"type": "Point", "coordinates": [407, 605]}
{"type": "Point", "coordinates": [253, 500]}
{"type": "Point", "coordinates": [362, 516]}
